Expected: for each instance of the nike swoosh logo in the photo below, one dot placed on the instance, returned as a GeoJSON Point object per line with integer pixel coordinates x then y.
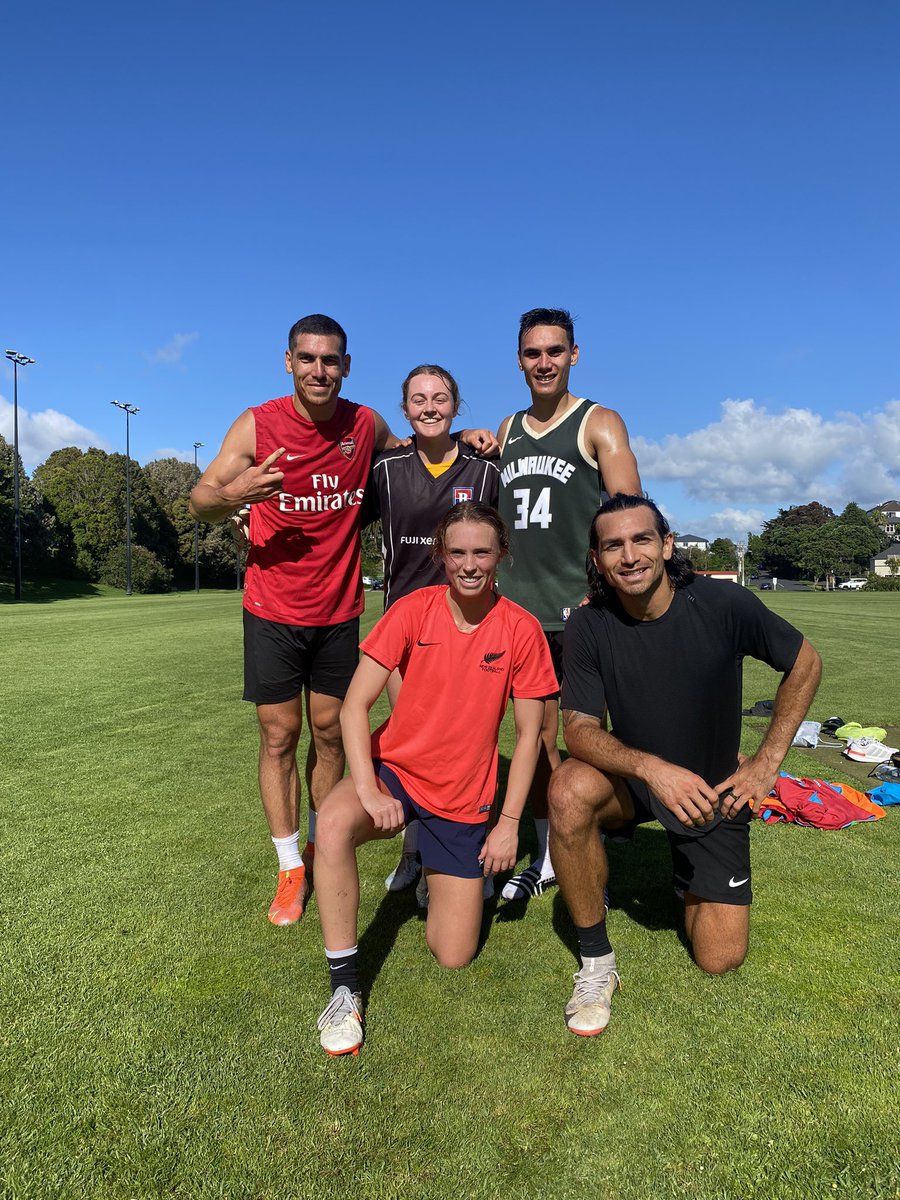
{"type": "Point", "coordinates": [732, 882]}
{"type": "Point", "coordinates": [515, 439]}
{"type": "Point", "coordinates": [291, 457]}
{"type": "Point", "coordinates": [427, 643]}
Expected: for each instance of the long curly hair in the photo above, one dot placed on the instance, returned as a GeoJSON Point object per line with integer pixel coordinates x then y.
{"type": "Point", "coordinates": [678, 568]}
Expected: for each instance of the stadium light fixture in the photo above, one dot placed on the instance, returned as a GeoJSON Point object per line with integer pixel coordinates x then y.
{"type": "Point", "coordinates": [129, 410]}
{"type": "Point", "coordinates": [197, 446]}
{"type": "Point", "coordinates": [17, 360]}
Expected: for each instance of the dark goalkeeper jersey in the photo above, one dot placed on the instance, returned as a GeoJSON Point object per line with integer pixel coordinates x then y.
{"type": "Point", "coordinates": [412, 503]}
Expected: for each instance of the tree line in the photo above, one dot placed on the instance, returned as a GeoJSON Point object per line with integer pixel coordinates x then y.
{"type": "Point", "coordinates": [810, 541]}
{"type": "Point", "coordinates": [72, 522]}
{"type": "Point", "coordinates": [73, 526]}
{"type": "Point", "coordinates": [807, 541]}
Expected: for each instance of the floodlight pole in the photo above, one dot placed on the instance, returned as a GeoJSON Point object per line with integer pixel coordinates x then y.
{"type": "Point", "coordinates": [197, 446]}
{"type": "Point", "coordinates": [17, 360]}
{"type": "Point", "coordinates": [741, 551]}
{"type": "Point", "coordinates": [129, 411]}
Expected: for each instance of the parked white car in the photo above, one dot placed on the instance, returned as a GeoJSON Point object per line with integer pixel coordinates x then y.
{"type": "Point", "coordinates": [852, 585]}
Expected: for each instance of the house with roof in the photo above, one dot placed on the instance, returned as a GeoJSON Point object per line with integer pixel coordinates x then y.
{"type": "Point", "coordinates": [888, 517]}
{"type": "Point", "coordinates": [885, 560]}
{"type": "Point", "coordinates": [691, 541]}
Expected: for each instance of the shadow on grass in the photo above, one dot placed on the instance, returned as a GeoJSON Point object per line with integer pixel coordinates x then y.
{"type": "Point", "coordinates": [640, 885]}
{"type": "Point", "coordinates": [376, 943]}
{"type": "Point", "coordinates": [393, 913]}
{"type": "Point", "coordinates": [49, 590]}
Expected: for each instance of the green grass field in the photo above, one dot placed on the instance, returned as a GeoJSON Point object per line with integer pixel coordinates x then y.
{"type": "Point", "coordinates": [158, 1036]}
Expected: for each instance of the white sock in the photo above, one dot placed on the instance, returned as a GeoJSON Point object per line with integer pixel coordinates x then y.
{"type": "Point", "coordinates": [541, 828]}
{"type": "Point", "coordinates": [288, 849]}
{"type": "Point", "coordinates": [411, 838]}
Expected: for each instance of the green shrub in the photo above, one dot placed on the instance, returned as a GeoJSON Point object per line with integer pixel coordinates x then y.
{"type": "Point", "coordinates": [148, 574]}
{"type": "Point", "coordinates": [883, 583]}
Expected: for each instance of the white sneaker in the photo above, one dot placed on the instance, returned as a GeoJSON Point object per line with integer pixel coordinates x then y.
{"type": "Point", "coordinates": [587, 1012]}
{"type": "Point", "coordinates": [405, 873]}
{"type": "Point", "coordinates": [340, 1025]}
{"type": "Point", "coordinates": [528, 883]}
{"type": "Point", "coordinates": [869, 750]}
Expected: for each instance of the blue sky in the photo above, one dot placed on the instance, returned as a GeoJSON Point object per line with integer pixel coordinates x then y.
{"type": "Point", "coordinates": [712, 190]}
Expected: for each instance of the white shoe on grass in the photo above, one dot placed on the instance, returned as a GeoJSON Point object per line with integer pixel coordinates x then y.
{"type": "Point", "coordinates": [588, 1010]}
{"type": "Point", "coordinates": [340, 1025]}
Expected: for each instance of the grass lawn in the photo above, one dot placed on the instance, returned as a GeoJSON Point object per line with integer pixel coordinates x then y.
{"type": "Point", "coordinates": [158, 1036]}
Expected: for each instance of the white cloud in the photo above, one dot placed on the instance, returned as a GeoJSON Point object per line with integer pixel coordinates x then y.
{"type": "Point", "coordinates": [173, 351]}
{"type": "Point", "coordinates": [43, 432]}
{"type": "Point", "coordinates": [752, 457]}
{"type": "Point", "coordinates": [171, 452]}
{"type": "Point", "coordinates": [735, 523]}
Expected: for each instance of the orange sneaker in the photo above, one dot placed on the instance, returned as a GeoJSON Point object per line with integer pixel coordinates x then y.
{"type": "Point", "coordinates": [290, 896]}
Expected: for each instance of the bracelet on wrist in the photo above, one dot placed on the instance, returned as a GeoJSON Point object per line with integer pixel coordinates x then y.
{"type": "Point", "coordinates": [508, 817]}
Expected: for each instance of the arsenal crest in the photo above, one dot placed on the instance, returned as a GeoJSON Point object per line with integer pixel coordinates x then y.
{"type": "Point", "coordinates": [348, 447]}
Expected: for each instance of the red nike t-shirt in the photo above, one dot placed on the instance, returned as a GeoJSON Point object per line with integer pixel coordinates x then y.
{"type": "Point", "coordinates": [304, 565]}
{"type": "Point", "coordinates": [441, 739]}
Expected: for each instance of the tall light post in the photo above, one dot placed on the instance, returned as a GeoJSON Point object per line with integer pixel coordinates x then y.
{"type": "Point", "coordinates": [17, 360]}
{"type": "Point", "coordinates": [129, 410]}
{"type": "Point", "coordinates": [197, 446]}
{"type": "Point", "coordinates": [741, 551]}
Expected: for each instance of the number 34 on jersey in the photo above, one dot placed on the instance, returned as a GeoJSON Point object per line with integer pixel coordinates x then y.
{"type": "Point", "coordinates": [532, 514]}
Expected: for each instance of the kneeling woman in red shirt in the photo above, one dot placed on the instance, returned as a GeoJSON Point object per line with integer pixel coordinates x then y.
{"type": "Point", "coordinates": [462, 651]}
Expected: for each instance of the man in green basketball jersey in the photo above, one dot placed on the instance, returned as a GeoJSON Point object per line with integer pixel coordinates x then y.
{"type": "Point", "coordinates": [557, 458]}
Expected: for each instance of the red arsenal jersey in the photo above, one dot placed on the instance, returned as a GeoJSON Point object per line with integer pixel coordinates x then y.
{"type": "Point", "coordinates": [304, 566]}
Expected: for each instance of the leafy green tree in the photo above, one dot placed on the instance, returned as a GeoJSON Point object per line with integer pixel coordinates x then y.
{"type": "Point", "coordinates": [723, 555]}
{"type": "Point", "coordinates": [148, 574]}
{"type": "Point", "coordinates": [172, 480]}
{"type": "Point", "coordinates": [36, 527]}
{"type": "Point", "coordinates": [85, 492]}
{"type": "Point", "coordinates": [784, 538]}
{"type": "Point", "coordinates": [864, 533]}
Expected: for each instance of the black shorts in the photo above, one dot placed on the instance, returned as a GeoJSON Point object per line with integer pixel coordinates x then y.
{"type": "Point", "coordinates": [281, 660]}
{"type": "Point", "coordinates": [448, 847]}
{"type": "Point", "coordinates": [713, 862]}
{"type": "Point", "coordinates": [555, 643]}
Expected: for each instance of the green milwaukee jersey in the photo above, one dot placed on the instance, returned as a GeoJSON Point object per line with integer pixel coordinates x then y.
{"type": "Point", "coordinates": [550, 488]}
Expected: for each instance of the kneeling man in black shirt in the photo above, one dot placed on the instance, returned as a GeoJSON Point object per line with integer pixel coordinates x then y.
{"type": "Point", "coordinates": [661, 650]}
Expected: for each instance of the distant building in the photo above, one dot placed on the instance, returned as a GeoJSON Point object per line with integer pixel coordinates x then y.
{"type": "Point", "coordinates": [888, 517]}
{"type": "Point", "coordinates": [881, 563]}
{"type": "Point", "coordinates": [690, 541]}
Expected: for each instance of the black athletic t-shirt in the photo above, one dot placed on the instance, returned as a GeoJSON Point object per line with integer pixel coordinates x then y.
{"type": "Point", "coordinates": [673, 686]}
{"type": "Point", "coordinates": [412, 503]}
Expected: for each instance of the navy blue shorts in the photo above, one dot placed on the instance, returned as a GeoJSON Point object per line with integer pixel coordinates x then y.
{"type": "Point", "coordinates": [448, 847]}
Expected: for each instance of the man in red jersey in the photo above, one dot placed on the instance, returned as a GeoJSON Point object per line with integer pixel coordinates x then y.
{"type": "Point", "coordinates": [302, 462]}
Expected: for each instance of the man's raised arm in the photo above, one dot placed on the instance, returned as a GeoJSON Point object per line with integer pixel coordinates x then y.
{"type": "Point", "coordinates": [232, 479]}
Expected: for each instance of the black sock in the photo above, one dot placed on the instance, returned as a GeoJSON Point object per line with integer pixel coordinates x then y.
{"type": "Point", "coordinates": [592, 940]}
{"type": "Point", "coordinates": [343, 968]}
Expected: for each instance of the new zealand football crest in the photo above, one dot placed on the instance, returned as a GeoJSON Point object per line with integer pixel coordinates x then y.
{"type": "Point", "coordinates": [462, 494]}
{"type": "Point", "coordinates": [348, 447]}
